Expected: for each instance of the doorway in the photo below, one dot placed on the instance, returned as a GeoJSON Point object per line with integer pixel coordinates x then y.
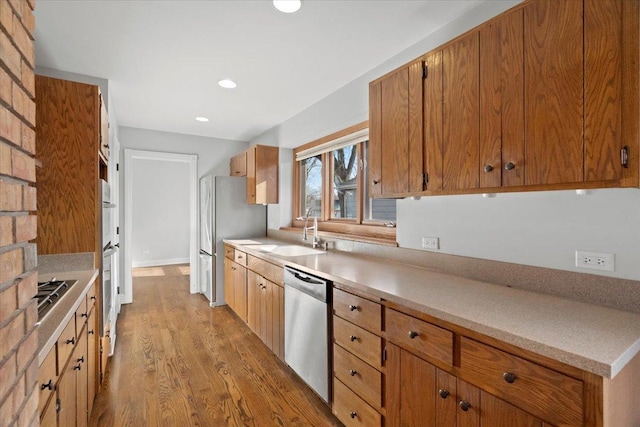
{"type": "Point", "coordinates": [134, 161]}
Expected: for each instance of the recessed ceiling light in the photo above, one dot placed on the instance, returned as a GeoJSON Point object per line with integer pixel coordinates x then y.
{"type": "Point", "coordinates": [202, 119]}
{"type": "Point", "coordinates": [227, 83]}
{"type": "Point", "coordinates": [287, 6]}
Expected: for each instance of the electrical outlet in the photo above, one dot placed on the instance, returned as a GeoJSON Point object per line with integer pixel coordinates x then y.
{"type": "Point", "coordinates": [431, 243]}
{"type": "Point", "coordinates": [595, 261]}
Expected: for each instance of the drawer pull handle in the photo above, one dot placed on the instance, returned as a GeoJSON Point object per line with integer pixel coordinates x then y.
{"type": "Point", "coordinates": [352, 372]}
{"type": "Point", "coordinates": [91, 332]}
{"type": "Point", "coordinates": [77, 367]}
{"type": "Point", "coordinates": [509, 166]}
{"type": "Point", "coordinates": [353, 307]}
{"type": "Point", "coordinates": [464, 405]}
{"type": "Point", "coordinates": [443, 393]}
{"type": "Point", "coordinates": [81, 359]}
{"type": "Point", "coordinates": [84, 315]}
{"type": "Point", "coordinates": [509, 377]}
{"type": "Point", "coordinates": [353, 414]}
{"type": "Point", "coordinates": [93, 298]}
{"type": "Point", "coordinates": [71, 340]}
{"type": "Point", "coordinates": [352, 338]}
{"type": "Point", "coordinates": [48, 385]}
{"type": "Point", "coordinates": [413, 334]}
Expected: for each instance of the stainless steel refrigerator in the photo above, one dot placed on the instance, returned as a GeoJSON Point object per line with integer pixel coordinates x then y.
{"type": "Point", "coordinates": [224, 214]}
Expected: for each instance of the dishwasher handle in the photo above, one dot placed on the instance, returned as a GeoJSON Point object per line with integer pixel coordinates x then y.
{"type": "Point", "coordinates": [309, 285]}
{"type": "Point", "coordinates": [307, 279]}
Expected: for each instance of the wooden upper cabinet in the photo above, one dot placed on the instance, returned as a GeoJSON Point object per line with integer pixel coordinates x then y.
{"type": "Point", "coordinates": [432, 123]}
{"type": "Point", "coordinates": [502, 102]}
{"type": "Point", "coordinates": [262, 174]}
{"type": "Point", "coordinates": [105, 146]}
{"type": "Point", "coordinates": [461, 113]}
{"type": "Point", "coordinates": [395, 132]}
{"type": "Point", "coordinates": [238, 165]}
{"type": "Point", "coordinates": [553, 91]}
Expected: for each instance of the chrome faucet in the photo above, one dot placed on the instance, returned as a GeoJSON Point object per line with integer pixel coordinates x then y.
{"type": "Point", "coordinates": [306, 228]}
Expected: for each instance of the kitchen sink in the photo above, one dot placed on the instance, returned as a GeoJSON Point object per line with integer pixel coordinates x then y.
{"type": "Point", "coordinates": [287, 250]}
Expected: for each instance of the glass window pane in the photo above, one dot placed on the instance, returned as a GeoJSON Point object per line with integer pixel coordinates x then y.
{"type": "Point", "coordinates": [311, 185]}
{"type": "Point", "coordinates": [345, 182]}
{"type": "Point", "coordinates": [376, 209]}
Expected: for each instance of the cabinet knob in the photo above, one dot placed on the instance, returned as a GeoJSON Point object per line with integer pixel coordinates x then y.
{"type": "Point", "coordinates": [353, 414]}
{"type": "Point", "coordinates": [48, 385]}
{"type": "Point", "coordinates": [509, 377]}
{"type": "Point", "coordinates": [353, 307]}
{"type": "Point", "coordinates": [91, 332]}
{"type": "Point", "coordinates": [93, 298]}
{"type": "Point", "coordinates": [81, 359]}
{"type": "Point", "coordinates": [443, 393]}
{"type": "Point", "coordinates": [464, 405]}
{"type": "Point", "coordinates": [375, 182]}
{"type": "Point", "coordinates": [413, 334]}
{"type": "Point", "coordinates": [77, 367]}
{"type": "Point", "coordinates": [488, 168]}
{"type": "Point", "coordinates": [352, 338]}
{"type": "Point", "coordinates": [509, 166]}
{"type": "Point", "coordinates": [71, 340]}
{"type": "Point", "coordinates": [352, 372]}
{"type": "Point", "coordinates": [84, 315]}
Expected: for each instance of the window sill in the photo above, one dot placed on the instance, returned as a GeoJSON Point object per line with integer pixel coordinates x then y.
{"type": "Point", "coordinates": [359, 233]}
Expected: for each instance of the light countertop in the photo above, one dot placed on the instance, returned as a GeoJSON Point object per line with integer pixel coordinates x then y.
{"type": "Point", "coordinates": [596, 339]}
{"type": "Point", "coordinates": [54, 322]}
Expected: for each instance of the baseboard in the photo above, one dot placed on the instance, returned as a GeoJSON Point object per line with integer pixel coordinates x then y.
{"type": "Point", "coordinates": [159, 262]}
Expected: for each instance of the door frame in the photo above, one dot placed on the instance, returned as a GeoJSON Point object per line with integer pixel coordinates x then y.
{"type": "Point", "coordinates": [130, 156]}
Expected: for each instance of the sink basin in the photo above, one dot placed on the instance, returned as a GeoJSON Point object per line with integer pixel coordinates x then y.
{"type": "Point", "coordinates": [287, 250]}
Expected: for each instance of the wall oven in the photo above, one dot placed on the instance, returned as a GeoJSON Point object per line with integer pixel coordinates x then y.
{"type": "Point", "coordinates": [108, 251]}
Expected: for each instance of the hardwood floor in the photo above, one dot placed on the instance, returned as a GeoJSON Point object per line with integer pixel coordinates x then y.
{"type": "Point", "coordinates": [179, 362]}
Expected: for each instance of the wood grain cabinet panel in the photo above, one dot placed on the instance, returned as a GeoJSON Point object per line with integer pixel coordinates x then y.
{"type": "Point", "coordinates": [238, 165]}
{"type": "Point", "coordinates": [92, 360]}
{"type": "Point", "coordinates": [47, 378]}
{"type": "Point", "coordinates": [262, 174]}
{"type": "Point", "coordinates": [364, 313]}
{"type": "Point", "coordinates": [351, 409]}
{"type": "Point", "coordinates": [229, 252]}
{"type": "Point", "coordinates": [433, 124]}
{"type": "Point", "coordinates": [396, 136]}
{"type": "Point", "coordinates": [360, 377]}
{"type": "Point", "coordinates": [419, 336]}
{"type": "Point", "coordinates": [554, 72]}
{"type": "Point", "coordinates": [358, 341]}
{"type": "Point", "coordinates": [552, 396]}
{"type": "Point", "coordinates": [460, 149]}
{"type": "Point", "coordinates": [240, 257]}
{"type": "Point", "coordinates": [502, 102]}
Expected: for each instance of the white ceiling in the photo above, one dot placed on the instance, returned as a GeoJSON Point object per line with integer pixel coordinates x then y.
{"type": "Point", "coordinates": [163, 59]}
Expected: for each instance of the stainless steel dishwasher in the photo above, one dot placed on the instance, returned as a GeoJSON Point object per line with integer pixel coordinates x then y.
{"type": "Point", "coordinates": [307, 315]}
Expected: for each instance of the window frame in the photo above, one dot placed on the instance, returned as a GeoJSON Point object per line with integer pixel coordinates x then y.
{"type": "Point", "coordinates": [359, 226]}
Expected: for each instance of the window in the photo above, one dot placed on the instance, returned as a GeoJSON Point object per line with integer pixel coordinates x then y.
{"type": "Point", "coordinates": [331, 176]}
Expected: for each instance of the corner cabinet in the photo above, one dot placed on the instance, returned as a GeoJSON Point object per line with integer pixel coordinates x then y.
{"type": "Point", "coordinates": [542, 97]}
{"type": "Point", "coordinates": [260, 165]}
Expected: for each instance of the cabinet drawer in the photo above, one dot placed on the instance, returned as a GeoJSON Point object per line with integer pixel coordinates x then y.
{"type": "Point", "coordinates": [364, 313]}
{"type": "Point", "coordinates": [547, 394]}
{"type": "Point", "coordinates": [352, 410]}
{"type": "Point", "coordinates": [47, 378]}
{"type": "Point", "coordinates": [229, 252]}
{"type": "Point", "coordinates": [240, 257]}
{"type": "Point", "coordinates": [419, 337]}
{"type": "Point", "coordinates": [66, 342]}
{"type": "Point", "coordinates": [364, 380]}
{"type": "Point", "coordinates": [273, 273]}
{"type": "Point", "coordinates": [82, 314]}
{"type": "Point", "coordinates": [358, 341]}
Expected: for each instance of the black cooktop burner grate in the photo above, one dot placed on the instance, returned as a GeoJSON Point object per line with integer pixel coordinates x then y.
{"type": "Point", "coordinates": [50, 293]}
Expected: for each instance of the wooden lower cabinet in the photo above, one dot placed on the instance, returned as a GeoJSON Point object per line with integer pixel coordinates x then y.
{"type": "Point", "coordinates": [265, 311]}
{"type": "Point", "coordinates": [235, 287]}
{"type": "Point", "coordinates": [92, 360]}
{"type": "Point", "coordinates": [72, 387]}
{"type": "Point", "coordinates": [420, 394]}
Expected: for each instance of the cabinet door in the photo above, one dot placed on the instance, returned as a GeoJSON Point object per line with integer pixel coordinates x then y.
{"type": "Point", "coordinates": [238, 165]}
{"type": "Point", "coordinates": [502, 102]}
{"type": "Point", "coordinates": [240, 290]}
{"type": "Point", "coordinates": [554, 70]}
{"type": "Point", "coordinates": [251, 176]}
{"type": "Point", "coordinates": [228, 283]}
{"type": "Point", "coordinates": [268, 309]}
{"type": "Point", "coordinates": [603, 68]}
{"type": "Point", "coordinates": [253, 301]}
{"type": "Point", "coordinates": [461, 69]}
{"type": "Point", "coordinates": [105, 148]}
{"type": "Point", "coordinates": [395, 140]}
{"type": "Point", "coordinates": [433, 126]}
{"type": "Point", "coordinates": [79, 359]}
{"type": "Point", "coordinates": [495, 412]}
{"type": "Point", "coordinates": [278, 320]}
{"type": "Point", "coordinates": [67, 395]}
{"type": "Point", "coordinates": [92, 360]}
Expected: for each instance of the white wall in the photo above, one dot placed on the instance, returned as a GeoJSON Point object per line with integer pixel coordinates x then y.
{"type": "Point", "coordinates": [537, 228]}
{"type": "Point", "coordinates": [160, 213]}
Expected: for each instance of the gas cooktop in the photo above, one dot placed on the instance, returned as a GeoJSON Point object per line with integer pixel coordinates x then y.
{"type": "Point", "coordinates": [50, 292]}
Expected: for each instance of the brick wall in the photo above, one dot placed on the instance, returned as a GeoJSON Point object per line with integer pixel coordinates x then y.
{"type": "Point", "coordinates": [18, 312]}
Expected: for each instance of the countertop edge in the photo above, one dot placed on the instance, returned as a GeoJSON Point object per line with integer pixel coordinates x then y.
{"type": "Point", "coordinates": [606, 369]}
{"type": "Point", "coordinates": [45, 346]}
